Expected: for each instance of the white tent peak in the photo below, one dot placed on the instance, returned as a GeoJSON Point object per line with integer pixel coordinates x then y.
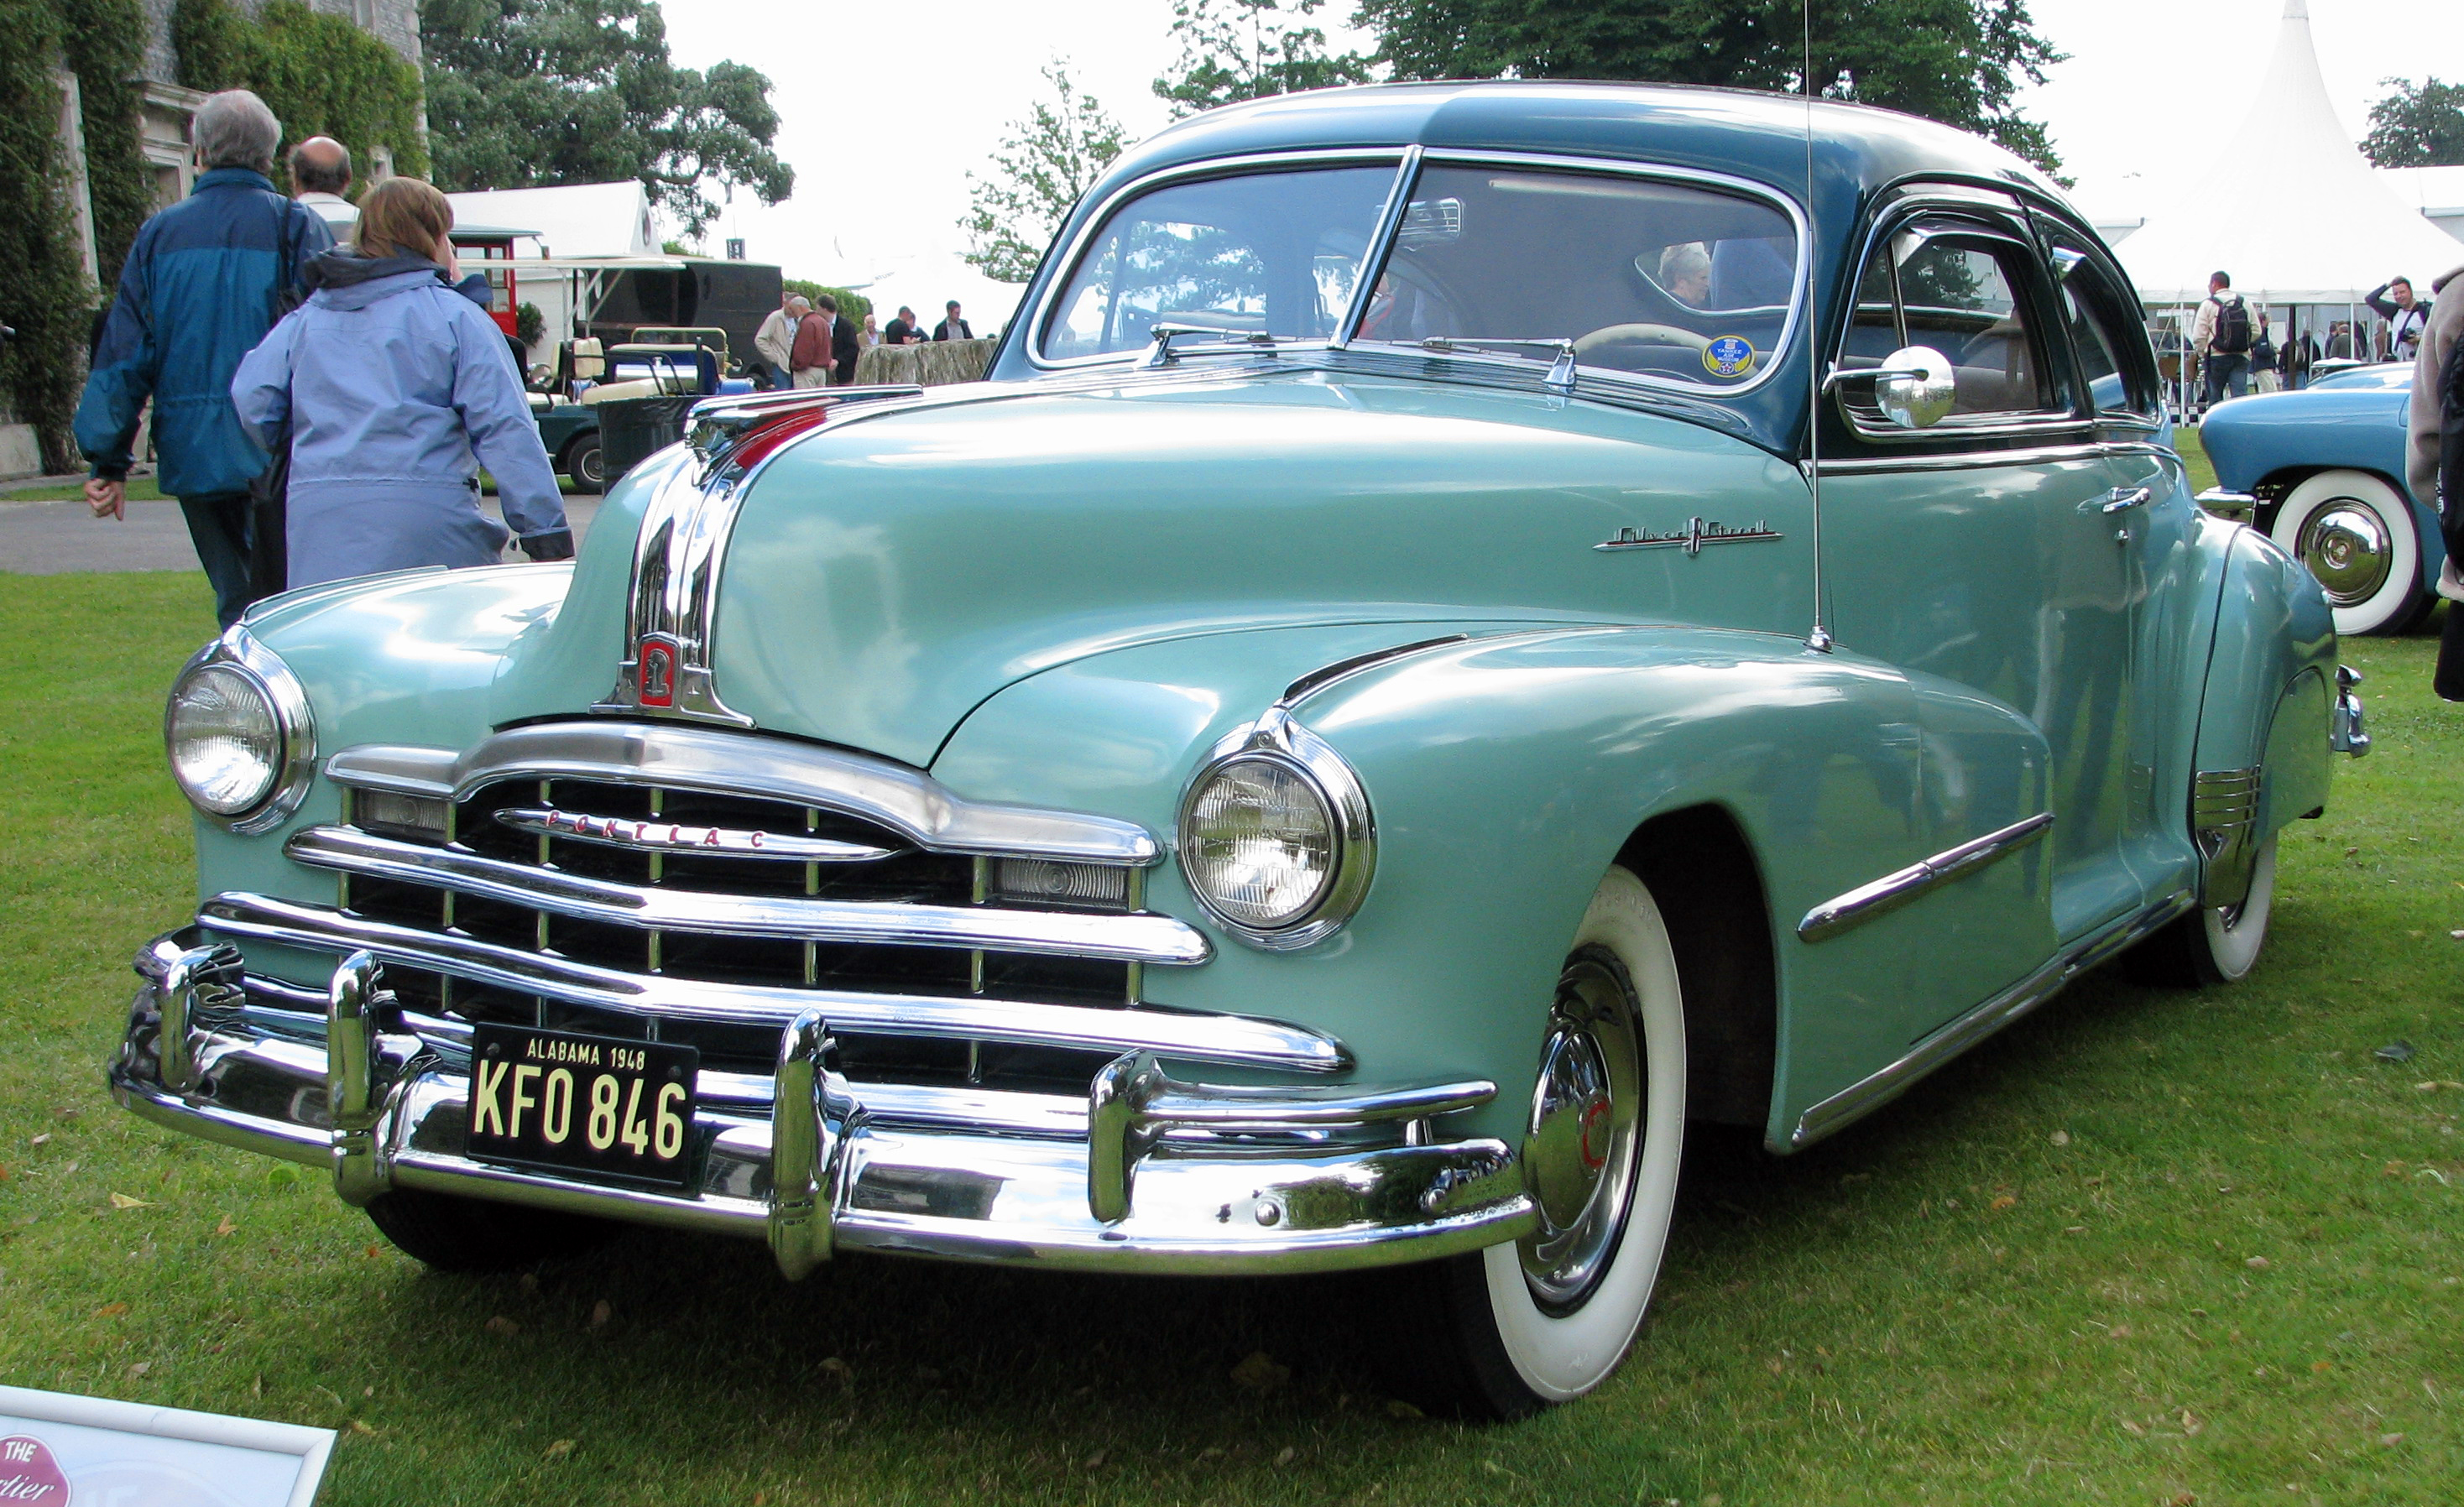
{"type": "Point", "coordinates": [2288, 207]}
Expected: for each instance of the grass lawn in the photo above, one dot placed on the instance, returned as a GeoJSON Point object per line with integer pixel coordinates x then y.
{"type": "Point", "coordinates": [2145, 1247]}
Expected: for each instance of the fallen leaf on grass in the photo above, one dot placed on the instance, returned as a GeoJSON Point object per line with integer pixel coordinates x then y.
{"type": "Point", "coordinates": [1286, 1458]}
{"type": "Point", "coordinates": [2390, 1440]}
{"type": "Point", "coordinates": [2321, 1367]}
{"type": "Point", "coordinates": [2183, 1500]}
{"type": "Point", "coordinates": [2006, 1201]}
{"type": "Point", "coordinates": [45, 1139]}
{"type": "Point", "coordinates": [1096, 1460]}
{"type": "Point", "coordinates": [3, 1171]}
{"type": "Point", "coordinates": [2257, 1263]}
{"type": "Point", "coordinates": [599, 1313]}
{"type": "Point", "coordinates": [2061, 1137]}
{"type": "Point", "coordinates": [111, 1310]}
{"type": "Point", "coordinates": [557, 1451]}
{"type": "Point", "coordinates": [140, 1368]}
{"type": "Point", "coordinates": [2074, 1229]}
{"type": "Point", "coordinates": [2191, 1423]}
{"type": "Point", "coordinates": [500, 1324]}
{"type": "Point", "coordinates": [2428, 1087]}
{"type": "Point", "coordinates": [226, 1227]}
{"type": "Point", "coordinates": [2394, 1052]}
{"type": "Point", "coordinates": [1260, 1372]}
{"type": "Point", "coordinates": [2120, 1331]}
{"type": "Point", "coordinates": [832, 1365]}
{"type": "Point", "coordinates": [360, 1426]}
{"type": "Point", "coordinates": [1398, 1407]}
{"type": "Point", "coordinates": [2133, 1425]}
{"type": "Point", "coordinates": [123, 1201]}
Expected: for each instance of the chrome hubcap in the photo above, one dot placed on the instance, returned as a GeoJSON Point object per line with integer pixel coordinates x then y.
{"type": "Point", "coordinates": [1579, 1150]}
{"type": "Point", "coordinates": [2347, 547]}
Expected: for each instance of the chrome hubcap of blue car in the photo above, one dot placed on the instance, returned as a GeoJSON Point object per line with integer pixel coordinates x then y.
{"type": "Point", "coordinates": [2347, 547]}
{"type": "Point", "coordinates": [1579, 1152]}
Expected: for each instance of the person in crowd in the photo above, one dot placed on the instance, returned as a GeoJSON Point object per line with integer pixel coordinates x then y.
{"type": "Point", "coordinates": [2406, 315]}
{"type": "Point", "coordinates": [2264, 357]}
{"type": "Point", "coordinates": [952, 327]}
{"type": "Point", "coordinates": [1685, 273]}
{"type": "Point", "coordinates": [2340, 341]}
{"type": "Point", "coordinates": [398, 389]}
{"type": "Point", "coordinates": [775, 343]}
{"type": "Point", "coordinates": [320, 174]}
{"type": "Point", "coordinates": [203, 282]}
{"type": "Point", "coordinates": [2301, 354]}
{"type": "Point", "coordinates": [810, 364]}
{"type": "Point", "coordinates": [845, 348]}
{"type": "Point", "coordinates": [867, 335]}
{"type": "Point", "coordinates": [2434, 459]}
{"type": "Point", "coordinates": [2223, 334]}
{"type": "Point", "coordinates": [902, 328]}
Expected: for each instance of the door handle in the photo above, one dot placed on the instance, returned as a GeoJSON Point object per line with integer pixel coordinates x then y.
{"type": "Point", "coordinates": [2121, 499]}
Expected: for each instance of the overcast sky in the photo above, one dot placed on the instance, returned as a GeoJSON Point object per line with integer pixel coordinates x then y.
{"type": "Point", "coordinates": [885, 108]}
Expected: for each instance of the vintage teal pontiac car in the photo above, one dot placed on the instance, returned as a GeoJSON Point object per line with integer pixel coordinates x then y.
{"type": "Point", "coordinates": [1470, 626]}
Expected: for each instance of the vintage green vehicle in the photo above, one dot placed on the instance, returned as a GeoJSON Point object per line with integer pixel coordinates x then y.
{"type": "Point", "coordinates": [1470, 626]}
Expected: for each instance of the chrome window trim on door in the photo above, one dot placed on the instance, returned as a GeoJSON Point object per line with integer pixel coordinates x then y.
{"type": "Point", "coordinates": [1065, 268]}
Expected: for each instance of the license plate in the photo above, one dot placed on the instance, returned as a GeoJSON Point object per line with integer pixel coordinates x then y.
{"type": "Point", "coordinates": [598, 1106]}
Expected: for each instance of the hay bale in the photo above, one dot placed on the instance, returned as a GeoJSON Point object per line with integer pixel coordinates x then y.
{"type": "Point", "coordinates": [933, 364]}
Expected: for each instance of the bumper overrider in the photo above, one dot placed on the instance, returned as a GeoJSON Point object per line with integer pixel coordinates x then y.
{"type": "Point", "coordinates": [1149, 1172]}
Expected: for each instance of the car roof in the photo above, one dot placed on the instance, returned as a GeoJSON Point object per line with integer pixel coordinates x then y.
{"type": "Point", "coordinates": [1745, 133]}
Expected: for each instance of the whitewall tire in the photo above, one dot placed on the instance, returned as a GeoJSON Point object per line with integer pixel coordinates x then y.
{"type": "Point", "coordinates": [2214, 944]}
{"type": "Point", "coordinates": [2355, 534]}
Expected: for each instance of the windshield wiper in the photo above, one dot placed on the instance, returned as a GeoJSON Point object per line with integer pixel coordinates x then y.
{"type": "Point", "coordinates": [1163, 334]}
{"type": "Point", "coordinates": [1561, 357]}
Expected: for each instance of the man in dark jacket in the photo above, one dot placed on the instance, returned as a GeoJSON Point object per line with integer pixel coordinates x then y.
{"type": "Point", "coordinates": [203, 283]}
{"type": "Point", "coordinates": [953, 328]}
{"type": "Point", "coordinates": [845, 348]}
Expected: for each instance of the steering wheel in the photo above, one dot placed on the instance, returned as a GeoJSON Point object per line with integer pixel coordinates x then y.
{"type": "Point", "coordinates": [1641, 335]}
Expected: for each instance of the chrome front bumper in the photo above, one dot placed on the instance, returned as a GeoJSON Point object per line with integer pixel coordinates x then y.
{"type": "Point", "coordinates": [1152, 1174]}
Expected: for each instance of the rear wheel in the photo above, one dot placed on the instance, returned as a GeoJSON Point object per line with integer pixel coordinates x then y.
{"type": "Point", "coordinates": [1510, 1330]}
{"type": "Point", "coordinates": [474, 1234]}
{"type": "Point", "coordinates": [2215, 944]}
{"type": "Point", "coordinates": [583, 463]}
{"type": "Point", "coordinates": [2357, 535]}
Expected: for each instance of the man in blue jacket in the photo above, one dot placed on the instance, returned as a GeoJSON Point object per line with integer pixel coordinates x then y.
{"type": "Point", "coordinates": [204, 281]}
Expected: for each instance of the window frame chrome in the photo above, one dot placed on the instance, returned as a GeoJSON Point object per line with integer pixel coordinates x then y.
{"type": "Point", "coordinates": [295, 770]}
{"type": "Point", "coordinates": [1400, 157]}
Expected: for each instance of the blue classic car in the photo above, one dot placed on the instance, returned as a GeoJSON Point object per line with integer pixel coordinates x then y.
{"type": "Point", "coordinates": [1471, 625]}
{"type": "Point", "coordinates": [2323, 471]}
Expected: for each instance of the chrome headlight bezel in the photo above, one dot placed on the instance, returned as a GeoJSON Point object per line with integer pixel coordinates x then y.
{"type": "Point", "coordinates": [295, 762]}
{"type": "Point", "coordinates": [1276, 738]}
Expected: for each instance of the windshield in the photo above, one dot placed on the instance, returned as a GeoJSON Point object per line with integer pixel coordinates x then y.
{"type": "Point", "coordinates": [1274, 254]}
{"type": "Point", "coordinates": [1664, 279]}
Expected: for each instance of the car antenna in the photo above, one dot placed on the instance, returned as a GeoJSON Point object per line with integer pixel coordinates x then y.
{"type": "Point", "coordinates": [1819, 638]}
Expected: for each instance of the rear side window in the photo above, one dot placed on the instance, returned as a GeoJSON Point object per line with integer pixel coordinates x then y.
{"type": "Point", "coordinates": [2106, 340]}
{"type": "Point", "coordinates": [1960, 291]}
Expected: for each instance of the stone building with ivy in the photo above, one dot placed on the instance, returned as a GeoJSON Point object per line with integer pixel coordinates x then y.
{"type": "Point", "coordinates": [96, 101]}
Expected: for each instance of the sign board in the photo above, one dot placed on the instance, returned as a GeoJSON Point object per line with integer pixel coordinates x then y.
{"type": "Point", "coordinates": [736, 247]}
{"type": "Point", "coordinates": [60, 1450]}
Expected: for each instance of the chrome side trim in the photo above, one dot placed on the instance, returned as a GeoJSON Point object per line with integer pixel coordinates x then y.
{"type": "Point", "coordinates": [2224, 825]}
{"type": "Point", "coordinates": [1968, 459]}
{"type": "Point", "coordinates": [1877, 1089]}
{"type": "Point", "coordinates": [1889, 893]}
{"type": "Point", "coordinates": [915, 805]}
{"type": "Point", "coordinates": [1243, 1039]}
{"type": "Point", "coordinates": [668, 837]}
{"type": "Point", "coordinates": [1062, 933]}
{"type": "Point", "coordinates": [238, 650]}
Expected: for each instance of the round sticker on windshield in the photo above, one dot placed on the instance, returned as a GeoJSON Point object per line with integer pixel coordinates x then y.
{"type": "Point", "coordinates": [1728, 356]}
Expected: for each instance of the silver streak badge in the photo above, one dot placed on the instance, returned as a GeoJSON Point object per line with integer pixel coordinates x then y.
{"type": "Point", "coordinates": [1690, 538]}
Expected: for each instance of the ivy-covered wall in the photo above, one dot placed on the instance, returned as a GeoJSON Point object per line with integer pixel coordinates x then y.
{"type": "Point", "coordinates": [321, 74]}
{"type": "Point", "coordinates": [44, 295]}
{"type": "Point", "coordinates": [104, 41]}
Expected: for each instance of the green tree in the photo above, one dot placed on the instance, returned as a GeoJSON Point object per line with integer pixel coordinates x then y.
{"type": "Point", "coordinates": [321, 75]}
{"type": "Point", "coordinates": [1957, 62]}
{"type": "Point", "coordinates": [2417, 127]}
{"type": "Point", "coordinates": [1235, 50]}
{"type": "Point", "coordinates": [527, 93]}
{"type": "Point", "coordinates": [1046, 163]}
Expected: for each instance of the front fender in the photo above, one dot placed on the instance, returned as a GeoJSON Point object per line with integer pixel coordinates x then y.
{"type": "Point", "coordinates": [1504, 774]}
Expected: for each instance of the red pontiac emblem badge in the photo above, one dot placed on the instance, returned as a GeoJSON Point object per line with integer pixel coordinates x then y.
{"type": "Point", "coordinates": [29, 1475]}
{"type": "Point", "coordinates": [658, 671]}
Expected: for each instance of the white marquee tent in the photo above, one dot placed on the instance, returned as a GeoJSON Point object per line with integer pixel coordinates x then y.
{"type": "Point", "coordinates": [577, 220]}
{"type": "Point", "coordinates": [2289, 206]}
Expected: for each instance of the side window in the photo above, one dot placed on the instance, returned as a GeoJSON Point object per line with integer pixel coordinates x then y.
{"type": "Point", "coordinates": [1961, 297]}
{"type": "Point", "coordinates": [2104, 341]}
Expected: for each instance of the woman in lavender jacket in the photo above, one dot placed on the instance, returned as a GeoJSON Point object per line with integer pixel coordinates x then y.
{"type": "Point", "coordinates": [398, 390]}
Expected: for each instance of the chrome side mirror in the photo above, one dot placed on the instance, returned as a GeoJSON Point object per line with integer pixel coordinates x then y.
{"type": "Point", "coordinates": [1916, 387]}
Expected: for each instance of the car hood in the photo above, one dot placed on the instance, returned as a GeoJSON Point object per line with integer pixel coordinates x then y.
{"type": "Point", "coordinates": [888, 572]}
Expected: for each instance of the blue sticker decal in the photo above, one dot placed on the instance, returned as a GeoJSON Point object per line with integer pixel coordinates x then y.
{"type": "Point", "coordinates": [1728, 356]}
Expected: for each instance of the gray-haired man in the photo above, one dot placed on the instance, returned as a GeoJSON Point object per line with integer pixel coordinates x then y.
{"type": "Point", "coordinates": [197, 293]}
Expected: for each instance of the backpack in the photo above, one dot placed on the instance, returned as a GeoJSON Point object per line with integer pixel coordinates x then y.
{"type": "Point", "coordinates": [2232, 327]}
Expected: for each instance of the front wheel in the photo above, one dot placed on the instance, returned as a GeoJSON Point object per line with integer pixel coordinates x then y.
{"type": "Point", "coordinates": [586, 465]}
{"type": "Point", "coordinates": [2217, 943]}
{"type": "Point", "coordinates": [2355, 534]}
{"type": "Point", "coordinates": [1517, 1328]}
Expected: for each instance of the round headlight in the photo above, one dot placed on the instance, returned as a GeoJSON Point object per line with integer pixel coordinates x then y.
{"type": "Point", "coordinates": [225, 739]}
{"type": "Point", "coordinates": [1259, 842]}
{"type": "Point", "coordinates": [1276, 838]}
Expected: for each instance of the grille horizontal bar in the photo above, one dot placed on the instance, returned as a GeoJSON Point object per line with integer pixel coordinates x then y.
{"type": "Point", "coordinates": [1112, 938]}
{"type": "Point", "coordinates": [1209, 1038]}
